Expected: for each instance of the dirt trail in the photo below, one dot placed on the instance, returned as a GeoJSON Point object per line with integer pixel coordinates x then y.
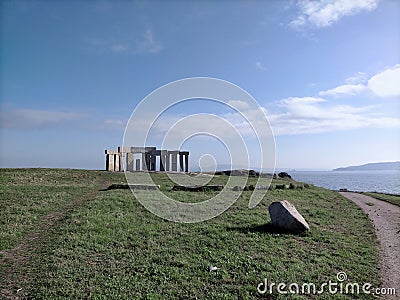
{"type": "Point", "coordinates": [21, 258]}
{"type": "Point", "coordinates": [386, 219]}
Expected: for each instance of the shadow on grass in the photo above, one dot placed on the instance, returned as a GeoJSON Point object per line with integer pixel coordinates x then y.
{"type": "Point", "coordinates": [267, 228]}
{"type": "Point", "coordinates": [116, 186]}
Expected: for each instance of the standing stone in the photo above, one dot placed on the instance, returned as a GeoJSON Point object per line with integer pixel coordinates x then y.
{"type": "Point", "coordinates": [284, 215]}
{"type": "Point", "coordinates": [129, 162]}
{"type": "Point", "coordinates": [167, 161]}
{"type": "Point", "coordinates": [187, 163]}
{"type": "Point", "coordinates": [147, 161]}
{"type": "Point", "coordinates": [144, 167]}
{"type": "Point", "coordinates": [174, 162]}
{"type": "Point", "coordinates": [110, 162]}
{"type": "Point", "coordinates": [180, 162]}
{"type": "Point", "coordinates": [162, 160]}
{"type": "Point", "coordinates": [153, 162]}
{"type": "Point", "coordinates": [116, 163]}
{"type": "Point", "coordinates": [121, 161]}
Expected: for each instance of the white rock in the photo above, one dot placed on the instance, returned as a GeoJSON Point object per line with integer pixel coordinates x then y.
{"type": "Point", "coordinates": [284, 215]}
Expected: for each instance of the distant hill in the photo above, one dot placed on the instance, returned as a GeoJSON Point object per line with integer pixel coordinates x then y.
{"type": "Point", "coordinates": [381, 166]}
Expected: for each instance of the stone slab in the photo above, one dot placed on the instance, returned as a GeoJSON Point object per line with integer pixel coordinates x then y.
{"type": "Point", "coordinates": [198, 188]}
{"type": "Point", "coordinates": [119, 186]}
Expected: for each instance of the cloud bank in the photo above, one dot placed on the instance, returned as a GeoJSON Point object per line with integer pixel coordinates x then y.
{"type": "Point", "coordinates": [324, 13]}
{"type": "Point", "coordinates": [383, 84]}
{"type": "Point", "coordinates": [35, 118]}
{"type": "Point", "coordinates": [386, 83]}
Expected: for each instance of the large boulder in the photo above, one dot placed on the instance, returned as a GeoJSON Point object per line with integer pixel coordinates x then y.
{"type": "Point", "coordinates": [285, 215]}
{"type": "Point", "coordinates": [284, 175]}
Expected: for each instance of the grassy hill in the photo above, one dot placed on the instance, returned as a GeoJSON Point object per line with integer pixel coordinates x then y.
{"type": "Point", "coordinates": [64, 236]}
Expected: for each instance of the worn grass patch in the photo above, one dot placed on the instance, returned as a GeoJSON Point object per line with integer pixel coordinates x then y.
{"type": "Point", "coordinates": [109, 246]}
{"type": "Point", "coordinates": [394, 199]}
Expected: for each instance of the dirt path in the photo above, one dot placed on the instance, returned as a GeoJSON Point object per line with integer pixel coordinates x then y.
{"type": "Point", "coordinates": [386, 219]}
{"type": "Point", "coordinates": [21, 259]}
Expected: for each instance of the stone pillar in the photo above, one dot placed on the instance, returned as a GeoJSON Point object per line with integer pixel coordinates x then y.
{"type": "Point", "coordinates": [163, 160]}
{"type": "Point", "coordinates": [110, 162]}
{"type": "Point", "coordinates": [123, 151]}
{"type": "Point", "coordinates": [167, 162]}
{"type": "Point", "coordinates": [129, 162]}
{"type": "Point", "coordinates": [117, 163]}
{"type": "Point", "coordinates": [187, 163]}
{"type": "Point", "coordinates": [174, 161]}
{"type": "Point", "coordinates": [121, 162]}
{"type": "Point", "coordinates": [153, 163]}
{"type": "Point", "coordinates": [180, 162]}
{"type": "Point", "coordinates": [144, 166]}
{"type": "Point", "coordinates": [137, 165]}
{"type": "Point", "coordinates": [184, 167]}
{"type": "Point", "coordinates": [148, 162]}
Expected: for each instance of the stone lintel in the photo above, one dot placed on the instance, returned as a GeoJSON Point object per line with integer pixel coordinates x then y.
{"type": "Point", "coordinates": [142, 149]}
{"type": "Point", "coordinates": [155, 152]}
{"type": "Point", "coordinates": [111, 152]}
{"type": "Point", "coordinates": [173, 152]}
{"type": "Point", "coordinates": [135, 149]}
{"type": "Point", "coordinates": [124, 150]}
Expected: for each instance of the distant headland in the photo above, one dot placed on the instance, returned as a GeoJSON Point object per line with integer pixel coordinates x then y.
{"type": "Point", "coordinates": [380, 166]}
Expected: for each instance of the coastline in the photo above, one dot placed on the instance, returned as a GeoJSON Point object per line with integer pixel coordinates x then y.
{"type": "Point", "coordinates": [386, 182]}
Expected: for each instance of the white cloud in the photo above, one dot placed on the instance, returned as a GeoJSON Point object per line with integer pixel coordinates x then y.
{"type": "Point", "coordinates": [34, 118]}
{"type": "Point", "coordinates": [346, 89]}
{"type": "Point", "coordinates": [111, 124]}
{"type": "Point", "coordinates": [260, 66]}
{"type": "Point", "coordinates": [357, 78]}
{"type": "Point", "coordinates": [305, 107]}
{"type": "Point", "coordinates": [315, 115]}
{"type": "Point", "coordinates": [386, 83]}
{"type": "Point", "coordinates": [290, 116]}
{"type": "Point", "coordinates": [239, 104]}
{"type": "Point", "coordinates": [119, 48]}
{"type": "Point", "coordinates": [308, 115]}
{"type": "Point", "coordinates": [139, 43]}
{"type": "Point", "coordinates": [323, 13]}
{"type": "Point", "coordinates": [383, 84]}
{"type": "Point", "coordinates": [302, 100]}
{"type": "Point", "coordinates": [149, 43]}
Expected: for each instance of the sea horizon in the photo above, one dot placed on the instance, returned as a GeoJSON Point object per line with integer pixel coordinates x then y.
{"type": "Point", "coordinates": [382, 181]}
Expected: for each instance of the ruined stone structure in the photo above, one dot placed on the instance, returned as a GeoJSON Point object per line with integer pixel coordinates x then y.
{"type": "Point", "coordinates": [145, 159]}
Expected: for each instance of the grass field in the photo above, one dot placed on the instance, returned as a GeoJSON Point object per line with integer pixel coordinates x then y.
{"type": "Point", "coordinates": [64, 236]}
{"type": "Point", "coordinates": [394, 199]}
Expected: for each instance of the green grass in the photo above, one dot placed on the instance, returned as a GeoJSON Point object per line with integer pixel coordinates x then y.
{"type": "Point", "coordinates": [94, 243]}
{"type": "Point", "coordinates": [394, 199]}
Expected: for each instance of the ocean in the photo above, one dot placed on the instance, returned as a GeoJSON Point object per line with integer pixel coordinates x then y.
{"type": "Point", "coordinates": [359, 181]}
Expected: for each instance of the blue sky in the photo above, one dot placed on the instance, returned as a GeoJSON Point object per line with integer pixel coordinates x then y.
{"type": "Point", "coordinates": [326, 72]}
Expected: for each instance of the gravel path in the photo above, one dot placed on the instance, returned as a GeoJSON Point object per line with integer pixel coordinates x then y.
{"type": "Point", "coordinates": [386, 219]}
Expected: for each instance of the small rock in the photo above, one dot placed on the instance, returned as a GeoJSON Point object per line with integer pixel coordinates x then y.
{"type": "Point", "coordinates": [285, 215]}
{"type": "Point", "coordinates": [213, 268]}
